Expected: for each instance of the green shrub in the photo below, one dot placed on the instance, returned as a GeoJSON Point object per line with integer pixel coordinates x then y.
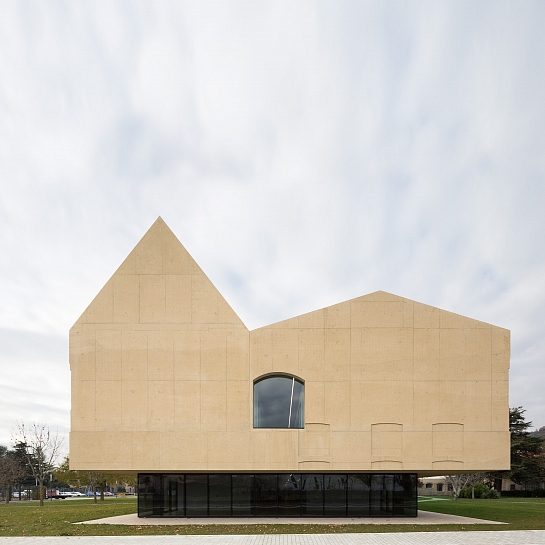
{"type": "Point", "coordinates": [492, 494]}
{"type": "Point", "coordinates": [465, 492]}
{"type": "Point", "coordinates": [481, 492]}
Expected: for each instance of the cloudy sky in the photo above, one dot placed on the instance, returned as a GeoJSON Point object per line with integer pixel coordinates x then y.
{"type": "Point", "coordinates": [304, 153]}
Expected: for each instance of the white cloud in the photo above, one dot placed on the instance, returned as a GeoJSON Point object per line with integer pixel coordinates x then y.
{"type": "Point", "coordinates": [305, 153]}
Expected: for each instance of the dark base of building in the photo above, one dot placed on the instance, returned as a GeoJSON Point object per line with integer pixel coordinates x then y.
{"type": "Point", "coordinates": [277, 495]}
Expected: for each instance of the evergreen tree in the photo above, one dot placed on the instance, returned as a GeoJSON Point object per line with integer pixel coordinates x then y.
{"type": "Point", "coordinates": [19, 453]}
{"type": "Point", "coordinates": [11, 471]}
{"type": "Point", "coordinates": [527, 453]}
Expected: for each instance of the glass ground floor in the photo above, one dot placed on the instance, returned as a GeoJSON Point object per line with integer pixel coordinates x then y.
{"type": "Point", "coordinates": [277, 495]}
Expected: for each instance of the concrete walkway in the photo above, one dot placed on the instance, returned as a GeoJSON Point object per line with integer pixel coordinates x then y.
{"type": "Point", "coordinates": [520, 537]}
{"type": "Point", "coordinates": [424, 517]}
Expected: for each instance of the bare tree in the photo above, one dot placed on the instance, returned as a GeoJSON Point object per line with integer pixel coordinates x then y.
{"type": "Point", "coordinates": [458, 482]}
{"type": "Point", "coordinates": [92, 480]}
{"type": "Point", "coordinates": [41, 449]}
{"type": "Point", "coordinates": [11, 472]}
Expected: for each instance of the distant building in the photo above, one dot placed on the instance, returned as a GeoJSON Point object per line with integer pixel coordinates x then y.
{"type": "Point", "coordinates": [528, 486]}
{"type": "Point", "coordinates": [435, 486]}
{"type": "Point", "coordinates": [331, 413]}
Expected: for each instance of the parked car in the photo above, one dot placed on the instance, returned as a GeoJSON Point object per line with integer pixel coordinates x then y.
{"type": "Point", "coordinates": [24, 494]}
{"type": "Point", "coordinates": [90, 493]}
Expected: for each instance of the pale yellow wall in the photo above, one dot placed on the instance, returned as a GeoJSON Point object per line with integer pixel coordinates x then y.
{"type": "Point", "coordinates": [163, 371]}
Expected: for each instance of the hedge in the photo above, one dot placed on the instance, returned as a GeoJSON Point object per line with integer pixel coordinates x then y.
{"type": "Point", "coordinates": [523, 493]}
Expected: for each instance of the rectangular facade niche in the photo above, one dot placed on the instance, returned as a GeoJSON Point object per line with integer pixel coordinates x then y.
{"type": "Point", "coordinates": [314, 446]}
{"type": "Point", "coordinates": [448, 442]}
{"type": "Point", "coordinates": [386, 446]}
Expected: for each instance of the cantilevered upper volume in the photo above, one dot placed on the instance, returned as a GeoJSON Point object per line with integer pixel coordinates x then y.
{"type": "Point", "coordinates": [166, 378]}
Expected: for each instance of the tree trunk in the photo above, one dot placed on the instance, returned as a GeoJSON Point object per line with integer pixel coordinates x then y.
{"type": "Point", "coordinates": [95, 493]}
{"type": "Point", "coordinates": [456, 491]}
{"type": "Point", "coordinates": [7, 494]}
{"type": "Point", "coordinates": [102, 492]}
{"type": "Point", "coordinates": [41, 491]}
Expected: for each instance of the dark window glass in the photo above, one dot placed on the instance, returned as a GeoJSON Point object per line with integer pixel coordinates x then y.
{"type": "Point", "coordinates": [150, 496]}
{"type": "Point", "coordinates": [173, 495]}
{"type": "Point", "coordinates": [334, 495]}
{"type": "Point", "coordinates": [271, 494]}
{"type": "Point", "coordinates": [289, 495]}
{"type": "Point", "coordinates": [377, 485]}
{"type": "Point", "coordinates": [405, 492]}
{"type": "Point", "coordinates": [279, 402]}
{"type": "Point", "coordinates": [242, 495]}
{"type": "Point", "coordinates": [439, 487]}
{"type": "Point", "coordinates": [312, 494]}
{"type": "Point", "coordinates": [196, 495]}
{"type": "Point", "coordinates": [382, 496]}
{"type": "Point", "coordinates": [266, 495]}
{"type": "Point", "coordinates": [219, 494]}
{"type": "Point", "coordinates": [358, 495]}
{"type": "Point", "coordinates": [429, 485]}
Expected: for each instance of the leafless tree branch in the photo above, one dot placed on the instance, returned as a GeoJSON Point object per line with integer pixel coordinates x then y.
{"type": "Point", "coordinates": [41, 448]}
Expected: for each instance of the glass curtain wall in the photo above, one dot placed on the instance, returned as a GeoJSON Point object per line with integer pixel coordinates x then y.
{"type": "Point", "coordinates": [277, 495]}
{"type": "Point", "coordinates": [312, 495]}
{"type": "Point", "coordinates": [196, 495]}
{"type": "Point", "coordinates": [242, 486]}
{"type": "Point", "coordinates": [219, 495]}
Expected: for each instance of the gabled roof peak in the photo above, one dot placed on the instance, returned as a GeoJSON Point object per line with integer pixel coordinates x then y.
{"type": "Point", "coordinates": [159, 282]}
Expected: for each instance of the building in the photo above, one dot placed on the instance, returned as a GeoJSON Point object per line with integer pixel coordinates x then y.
{"type": "Point", "coordinates": [334, 412]}
{"type": "Point", "coordinates": [527, 486]}
{"type": "Point", "coordinates": [435, 486]}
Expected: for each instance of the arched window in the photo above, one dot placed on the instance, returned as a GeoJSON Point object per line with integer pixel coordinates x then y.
{"type": "Point", "coordinates": [279, 402]}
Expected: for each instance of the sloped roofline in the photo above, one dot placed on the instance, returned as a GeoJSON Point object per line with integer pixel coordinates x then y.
{"type": "Point", "coordinates": [388, 297]}
{"type": "Point", "coordinates": [376, 296]}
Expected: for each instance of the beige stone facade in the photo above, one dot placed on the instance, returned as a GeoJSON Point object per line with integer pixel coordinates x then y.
{"type": "Point", "coordinates": [163, 372]}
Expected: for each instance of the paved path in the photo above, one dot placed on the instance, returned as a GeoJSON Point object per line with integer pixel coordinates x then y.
{"type": "Point", "coordinates": [520, 537]}
{"type": "Point", "coordinates": [424, 517]}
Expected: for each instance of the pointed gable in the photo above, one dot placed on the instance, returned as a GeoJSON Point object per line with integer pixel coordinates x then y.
{"type": "Point", "coordinates": [159, 283]}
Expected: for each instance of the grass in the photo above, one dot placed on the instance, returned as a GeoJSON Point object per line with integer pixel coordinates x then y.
{"type": "Point", "coordinates": [56, 518]}
{"type": "Point", "coordinates": [520, 513]}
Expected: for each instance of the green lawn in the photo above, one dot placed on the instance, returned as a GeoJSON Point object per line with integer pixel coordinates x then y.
{"type": "Point", "coordinates": [56, 518]}
{"type": "Point", "coordinates": [520, 513]}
